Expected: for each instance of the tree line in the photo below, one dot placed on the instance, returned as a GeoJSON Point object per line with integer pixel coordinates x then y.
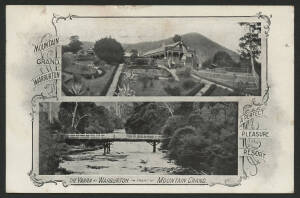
{"type": "Point", "coordinates": [106, 49]}
{"type": "Point", "coordinates": [201, 136]}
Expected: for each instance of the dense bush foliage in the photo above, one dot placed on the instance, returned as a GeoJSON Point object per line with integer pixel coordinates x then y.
{"type": "Point", "coordinates": [207, 63]}
{"type": "Point", "coordinates": [66, 61]}
{"type": "Point", "coordinates": [99, 62]}
{"type": "Point", "coordinates": [173, 91]}
{"type": "Point", "coordinates": [144, 79]}
{"type": "Point", "coordinates": [109, 50]}
{"type": "Point", "coordinates": [176, 144]}
{"type": "Point", "coordinates": [141, 61]}
{"type": "Point", "coordinates": [78, 86]}
{"type": "Point", "coordinates": [176, 38]}
{"type": "Point", "coordinates": [204, 139]}
{"type": "Point", "coordinates": [101, 119]}
{"type": "Point", "coordinates": [220, 59]}
{"type": "Point", "coordinates": [147, 118]}
{"type": "Point", "coordinates": [184, 108]}
{"type": "Point", "coordinates": [50, 147]}
{"type": "Point", "coordinates": [89, 118]}
{"type": "Point", "coordinates": [188, 84]}
{"type": "Point", "coordinates": [186, 72]}
{"type": "Point", "coordinates": [74, 46]}
{"type": "Point", "coordinates": [173, 123]}
{"type": "Point", "coordinates": [223, 59]}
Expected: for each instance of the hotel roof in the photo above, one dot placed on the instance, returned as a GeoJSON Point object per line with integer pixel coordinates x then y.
{"type": "Point", "coordinates": [162, 48]}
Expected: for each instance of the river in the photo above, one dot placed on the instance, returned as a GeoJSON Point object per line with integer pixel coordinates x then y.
{"type": "Point", "coordinates": [125, 158]}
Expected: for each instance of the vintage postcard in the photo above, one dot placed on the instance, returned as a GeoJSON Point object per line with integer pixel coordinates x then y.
{"type": "Point", "coordinates": [150, 99]}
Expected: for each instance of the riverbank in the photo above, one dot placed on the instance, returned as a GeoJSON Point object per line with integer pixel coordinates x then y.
{"type": "Point", "coordinates": [126, 158]}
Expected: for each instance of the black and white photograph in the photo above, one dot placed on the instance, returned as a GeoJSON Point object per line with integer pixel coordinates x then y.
{"type": "Point", "coordinates": [174, 99]}
{"type": "Point", "coordinates": [178, 56]}
{"type": "Point", "coordinates": [138, 138]}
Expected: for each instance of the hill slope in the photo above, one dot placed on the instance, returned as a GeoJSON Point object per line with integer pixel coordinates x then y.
{"type": "Point", "coordinates": [205, 48]}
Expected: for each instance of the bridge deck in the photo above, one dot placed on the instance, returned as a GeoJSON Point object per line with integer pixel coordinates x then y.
{"type": "Point", "coordinates": [115, 137]}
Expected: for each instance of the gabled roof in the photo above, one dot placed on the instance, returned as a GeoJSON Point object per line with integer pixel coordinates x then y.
{"type": "Point", "coordinates": [174, 44]}
{"type": "Point", "coordinates": [162, 48]}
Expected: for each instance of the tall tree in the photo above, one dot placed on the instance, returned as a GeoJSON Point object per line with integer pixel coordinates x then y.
{"type": "Point", "coordinates": [74, 38]}
{"type": "Point", "coordinates": [74, 46]}
{"type": "Point", "coordinates": [147, 118]}
{"type": "Point", "coordinates": [72, 114]}
{"type": "Point", "coordinates": [109, 50]}
{"type": "Point", "coordinates": [88, 118]}
{"type": "Point", "coordinates": [176, 38]}
{"type": "Point", "coordinates": [250, 45]}
{"type": "Point", "coordinates": [78, 88]}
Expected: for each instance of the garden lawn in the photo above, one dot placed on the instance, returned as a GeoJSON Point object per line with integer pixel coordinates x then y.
{"type": "Point", "coordinates": [97, 85]}
{"type": "Point", "coordinates": [158, 87]}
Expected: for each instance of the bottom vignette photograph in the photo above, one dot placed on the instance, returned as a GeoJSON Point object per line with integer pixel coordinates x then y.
{"type": "Point", "coordinates": [138, 138]}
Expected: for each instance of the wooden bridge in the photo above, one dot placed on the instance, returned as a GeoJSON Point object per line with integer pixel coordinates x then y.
{"type": "Point", "coordinates": [108, 138]}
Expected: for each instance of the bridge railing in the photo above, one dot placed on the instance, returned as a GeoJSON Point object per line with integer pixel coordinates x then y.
{"type": "Point", "coordinates": [112, 136]}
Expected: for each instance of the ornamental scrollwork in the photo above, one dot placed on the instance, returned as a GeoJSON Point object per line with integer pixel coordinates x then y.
{"type": "Point", "coordinates": [56, 18]}
{"type": "Point", "coordinates": [40, 182]}
{"type": "Point", "coordinates": [267, 19]}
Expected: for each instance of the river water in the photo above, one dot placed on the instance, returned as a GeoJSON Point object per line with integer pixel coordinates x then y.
{"type": "Point", "coordinates": [125, 158]}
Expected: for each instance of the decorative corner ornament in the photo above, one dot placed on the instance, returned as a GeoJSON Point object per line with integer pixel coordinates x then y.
{"type": "Point", "coordinates": [56, 18]}
{"type": "Point", "coordinates": [267, 19]}
{"type": "Point", "coordinates": [40, 182]}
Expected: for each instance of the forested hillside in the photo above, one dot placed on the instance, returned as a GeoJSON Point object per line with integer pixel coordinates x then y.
{"type": "Point", "coordinates": [205, 48]}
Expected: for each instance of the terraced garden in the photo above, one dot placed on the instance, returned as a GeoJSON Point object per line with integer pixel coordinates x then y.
{"type": "Point", "coordinates": [95, 80]}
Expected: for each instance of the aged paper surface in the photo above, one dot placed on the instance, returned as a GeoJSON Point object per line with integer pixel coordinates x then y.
{"type": "Point", "coordinates": [170, 99]}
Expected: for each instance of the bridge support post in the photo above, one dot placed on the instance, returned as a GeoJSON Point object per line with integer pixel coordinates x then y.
{"type": "Point", "coordinates": [154, 147]}
{"type": "Point", "coordinates": [105, 148]}
{"type": "Point", "coordinates": [108, 147]}
{"type": "Point", "coordinates": [153, 144]}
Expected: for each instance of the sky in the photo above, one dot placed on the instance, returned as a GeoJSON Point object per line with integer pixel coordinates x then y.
{"type": "Point", "coordinates": [134, 30]}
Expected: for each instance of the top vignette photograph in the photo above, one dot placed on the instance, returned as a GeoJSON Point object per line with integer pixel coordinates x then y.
{"type": "Point", "coordinates": [160, 57]}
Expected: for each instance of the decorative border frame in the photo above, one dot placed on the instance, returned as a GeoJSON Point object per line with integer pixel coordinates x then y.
{"type": "Point", "coordinates": [265, 96]}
